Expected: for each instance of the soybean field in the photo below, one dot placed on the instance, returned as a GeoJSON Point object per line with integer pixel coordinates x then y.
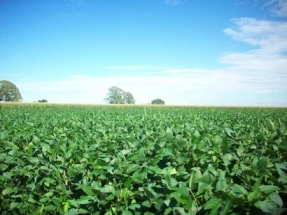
{"type": "Point", "coordinates": [129, 159]}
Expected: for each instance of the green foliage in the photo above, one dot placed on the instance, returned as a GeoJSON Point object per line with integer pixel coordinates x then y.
{"type": "Point", "coordinates": [117, 96]}
{"type": "Point", "coordinates": [9, 92]}
{"type": "Point", "coordinates": [42, 100]}
{"type": "Point", "coordinates": [129, 99]}
{"type": "Point", "coordinates": [157, 102]}
{"type": "Point", "coordinates": [71, 159]}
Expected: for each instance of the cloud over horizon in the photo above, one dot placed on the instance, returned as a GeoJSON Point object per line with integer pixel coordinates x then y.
{"type": "Point", "coordinates": [256, 73]}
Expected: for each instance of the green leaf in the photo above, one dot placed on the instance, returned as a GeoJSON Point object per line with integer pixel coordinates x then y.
{"type": "Point", "coordinates": [205, 178]}
{"type": "Point", "coordinates": [226, 205]}
{"type": "Point", "coordinates": [16, 205]}
{"type": "Point", "coordinates": [127, 212]}
{"type": "Point", "coordinates": [146, 204]}
{"type": "Point", "coordinates": [95, 185]}
{"type": "Point", "coordinates": [108, 189]}
{"type": "Point", "coordinates": [74, 203]}
{"type": "Point", "coordinates": [239, 189]}
{"type": "Point", "coordinates": [66, 206]}
{"type": "Point", "coordinates": [50, 208]}
{"type": "Point", "coordinates": [167, 211]}
{"type": "Point", "coordinates": [226, 159]}
{"type": "Point", "coordinates": [183, 190]}
{"type": "Point", "coordinates": [72, 211]}
{"type": "Point", "coordinates": [132, 168]}
{"type": "Point", "coordinates": [169, 181]}
{"type": "Point", "coordinates": [211, 169]}
{"type": "Point", "coordinates": [125, 152]}
{"type": "Point", "coordinates": [82, 211]}
{"type": "Point", "coordinates": [134, 206]}
{"type": "Point", "coordinates": [276, 198]}
{"type": "Point", "coordinates": [194, 176]}
{"type": "Point", "coordinates": [229, 132]}
{"type": "Point", "coordinates": [150, 192]}
{"type": "Point", "coordinates": [172, 171]}
{"type": "Point", "coordinates": [268, 188]}
{"type": "Point", "coordinates": [158, 203]}
{"type": "Point", "coordinates": [240, 150]}
{"type": "Point", "coordinates": [179, 211]}
{"type": "Point", "coordinates": [254, 196]}
{"type": "Point", "coordinates": [262, 164]}
{"type": "Point", "coordinates": [36, 140]}
{"type": "Point", "coordinates": [49, 194]}
{"type": "Point", "coordinates": [267, 206]}
{"type": "Point", "coordinates": [84, 200]}
{"type": "Point", "coordinates": [87, 189]}
{"type": "Point", "coordinates": [169, 131]}
{"type": "Point", "coordinates": [236, 170]}
{"type": "Point", "coordinates": [110, 213]}
{"type": "Point", "coordinates": [156, 170]}
{"type": "Point", "coordinates": [202, 187]}
{"type": "Point", "coordinates": [221, 184]}
{"type": "Point", "coordinates": [128, 182]}
{"type": "Point", "coordinates": [281, 167]}
{"type": "Point", "coordinates": [196, 134]}
{"type": "Point", "coordinates": [211, 203]}
{"type": "Point", "coordinates": [133, 157]}
{"type": "Point", "coordinates": [7, 191]}
{"type": "Point", "coordinates": [217, 140]}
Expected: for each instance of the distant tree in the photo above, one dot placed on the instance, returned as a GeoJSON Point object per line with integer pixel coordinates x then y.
{"type": "Point", "coordinates": [157, 102]}
{"type": "Point", "coordinates": [116, 95]}
{"type": "Point", "coordinates": [9, 92]}
{"type": "Point", "coordinates": [43, 100]}
{"type": "Point", "coordinates": [129, 99]}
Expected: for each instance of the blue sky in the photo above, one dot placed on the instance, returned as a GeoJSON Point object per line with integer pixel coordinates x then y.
{"type": "Point", "coordinates": [186, 52]}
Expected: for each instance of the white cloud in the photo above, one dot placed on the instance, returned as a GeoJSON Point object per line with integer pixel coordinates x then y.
{"type": "Point", "coordinates": [270, 40]}
{"type": "Point", "coordinates": [277, 7]}
{"type": "Point", "coordinates": [247, 78]}
{"type": "Point", "coordinates": [262, 69]}
{"type": "Point", "coordinates": [184, 86]}
{"type": "Point", "coordinates": [268, 35]}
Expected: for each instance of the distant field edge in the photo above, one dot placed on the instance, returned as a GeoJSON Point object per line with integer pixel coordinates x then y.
{"type": "Point", "coordinates": [140, 105]}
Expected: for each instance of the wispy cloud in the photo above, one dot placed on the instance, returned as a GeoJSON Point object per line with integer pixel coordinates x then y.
{"type": "Point", "coordinates": [270, 41]}
{"type": "Point", "coordinates": [277, 7]}
{"type": "Point", "coordinates": [260, 72]}
{"type": "Point", "coordinates": [171, 84]}
{"type": "Point", "coordinates": [254, 74]}
{"type": "Point", "coordinates": [270, 36]}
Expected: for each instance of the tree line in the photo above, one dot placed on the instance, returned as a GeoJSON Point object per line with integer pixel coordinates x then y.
{"type": "Point", "coordinates": [10, 93]}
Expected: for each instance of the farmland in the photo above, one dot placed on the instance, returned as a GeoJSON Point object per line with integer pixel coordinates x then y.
{"type": "Point", "coordinates": [85, 159]}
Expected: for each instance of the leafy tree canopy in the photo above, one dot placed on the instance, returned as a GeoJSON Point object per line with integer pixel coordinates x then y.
{"type": "Point", "coordinates": [129, 99]}
{"type": "Point", "coordinates": [43, 100]}
{"type": "Point", "coordinates": [157, 102]}
{"type": "Point", "coordinates": [9, 92]}
{"type": "Point", "coordinates": [116, 95]}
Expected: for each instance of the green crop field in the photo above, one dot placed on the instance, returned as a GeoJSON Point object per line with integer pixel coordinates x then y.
{"type": "Point", "coordinates": [85, 159]}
